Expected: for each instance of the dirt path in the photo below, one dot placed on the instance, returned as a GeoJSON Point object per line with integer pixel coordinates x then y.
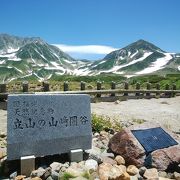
{"type": "Point", "coordinates": [165, 111]}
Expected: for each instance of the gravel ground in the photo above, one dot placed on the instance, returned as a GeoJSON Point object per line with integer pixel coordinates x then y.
{"type": "Point", "coordinates": [164, 111]}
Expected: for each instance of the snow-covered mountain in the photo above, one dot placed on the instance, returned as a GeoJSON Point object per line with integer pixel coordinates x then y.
{"type": "Point", "coordinates": [137, 58]}
{"type": "Point", "coordinates": [34, 58]}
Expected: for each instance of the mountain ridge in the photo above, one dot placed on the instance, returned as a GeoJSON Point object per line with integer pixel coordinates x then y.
{"type": "Point", "coordinates": [32, 56]}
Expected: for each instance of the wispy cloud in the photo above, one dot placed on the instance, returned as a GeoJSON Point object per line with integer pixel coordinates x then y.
{"type": "Point", "coordinates": [86, 51]}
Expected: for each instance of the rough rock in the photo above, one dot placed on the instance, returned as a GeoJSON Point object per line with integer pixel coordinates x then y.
{"type": "Point", "coordinates": [123, 167]}
{"type": "Point", "coordinates": [142, 170]}
{"type": "Point", "coordinates": [162, 174]}
{"type": "Point", "coordinates": [108, 160]}
{"type": "Point", "coordinates": [151, 174]}
{"type": "Point", "coordinates": [37, 173]}
{"type": "Point", "coordinates": [56, 166]}
{"type": "Point", "coordinates": [91, 165]}
{"type": "Point", "coordinates": [108, 171]}
{"type": "Point", "coordinates": [55, 175]}
{"type": "Point", "coordinates": [125, 176]}
{"type": "Point", "coordinates": [13, 175]}
{"type": "Point", "coordinates": [132, 170]}
{"type": "Point", "coordinates": [120, 160]}
{"type": "Point", "coordinates": [125, 144]}
{"type": "Point", "coordinates": [166, 158]}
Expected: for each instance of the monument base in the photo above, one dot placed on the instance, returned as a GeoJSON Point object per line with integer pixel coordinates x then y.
{"type": "Point", "coordinates": [27, 165]}
{"type": "Point", "coordinates": [76, 155]}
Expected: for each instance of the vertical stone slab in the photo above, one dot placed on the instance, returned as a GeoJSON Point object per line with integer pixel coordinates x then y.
{"type": "Point", "coordinates": [99, 84]}
{"type": "Point", "coordinates": [42, 125]}
{"type": "Point", "coordinates": [83, 86]}
{"type": "Point", "coordinates": [113, 86]}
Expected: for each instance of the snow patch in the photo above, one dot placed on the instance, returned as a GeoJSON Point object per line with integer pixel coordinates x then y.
{"type": "Point", "coordinates": [158, 64]}
{"type": "Point", "coordinates": [133, 54]}
{"type": "Point", "coordinates": [2, 62]}
{"type": "Point", "coordinates": [179, 68]}
{"type": "Point", "coordinates": [11, 50]}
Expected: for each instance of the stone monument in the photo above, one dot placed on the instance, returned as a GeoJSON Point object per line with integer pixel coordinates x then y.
{"type": "Point", "coordinates": [41, 125]}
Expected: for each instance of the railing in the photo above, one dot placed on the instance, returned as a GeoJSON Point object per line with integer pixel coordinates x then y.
{"type": "Point", "coordinates": [107, 95]}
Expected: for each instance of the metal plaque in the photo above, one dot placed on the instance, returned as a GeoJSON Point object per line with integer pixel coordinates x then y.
{"type": "Point", "coordinates": [153, 139]}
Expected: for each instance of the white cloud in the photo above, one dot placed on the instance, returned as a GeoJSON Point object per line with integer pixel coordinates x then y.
{"type": "Point", "coordinates": [85, 49]}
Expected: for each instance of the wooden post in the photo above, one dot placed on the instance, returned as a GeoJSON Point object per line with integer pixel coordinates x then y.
{"type": "Point", "coordinates": [173, 88]}
{"type": "Point", "coordinates": [126, 87]}
{"type": "Point", "coordinates": [99, 88]}
{"type": "Point", "coordinates": [45, 86]}
{"type": "Point", "coordinates": [83, 86]}
{"type": "Point", "coordinates": [157, 88]}
{"type": "Point", "coordinates": [113, 86]}
{"type": "Point", "coordinates": [167, 88]}
{"type": "Point", "coordinates": [148, 86]}
{"type": "Point", "coordinates": [66, 86]}
{"type": "Point", "coordinates": [25, 86]}
{"type": "Point", "coordinates": [3, 88]}
{"type": "Point", "coordinates": [137, 88]}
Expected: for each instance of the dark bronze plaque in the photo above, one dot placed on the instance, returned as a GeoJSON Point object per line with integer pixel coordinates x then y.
{"type": "Point", "coordinates": [153, 139]}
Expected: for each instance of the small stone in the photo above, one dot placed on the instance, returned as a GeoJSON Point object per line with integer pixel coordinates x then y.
{"type": "Point", "coordinates": [177, 175]}
{"type": "Point", "coordinates": [36, 178]}
{"type": "Point", "coordinates": [113, 172]}
{"type": "Point", "coordinates": [47, 173]}
{"type": "Point", "coordinates": [117, 102]}
{"type": "Point", "coordinates": [162, 174]}
{"type": "Point", "coordinates": [91, 165]}
{"type": "Point", "coordinates": [37, 173]}
{"type": "Point", "coordinates": [120, 160]}
{"type": "Point", "coordinates": [2, 134]}
{"type": "Point", "coordinates": [151, 174]}
{"type": "Point", "coordinates": [134, 178]}
{"type": "Point", "coordinates": [109, 160]}
{"type": "Point", "coordinates": [132, 170]}
{"type": "Point", "coordinates": [2, 153]}
{"type": "Point", "coordinates": [13, 175]}
{"type": "Point", "coordinates": [96, 134]}
{"type": "Point", "coordinates": [20, 177]}
{"type": "Point", "coordinates": [55, 175]}
{"type": "Point", "coordinates": [123, 167]}
{"type": "Point", "coordinates": [125, 176]}
{"type": "Point", "coordinates": [56, 166]}
{"type": "Point", "coordinates": [104, 133]}
{"type": "Point", "coordinates": [142, 170]}
{"type": "Point", "coordinates": [170, 175]}
{"type": "Point", "coordinates": [49, 178]}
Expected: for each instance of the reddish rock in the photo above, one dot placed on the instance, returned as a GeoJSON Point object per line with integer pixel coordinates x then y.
{"type": "Point", "coordinates": [125, 144]}
{"type": "Point", "coordinates": [162, 159]}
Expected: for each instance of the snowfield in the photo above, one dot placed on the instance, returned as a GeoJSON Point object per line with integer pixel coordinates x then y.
{"type": "Point", "coordinates": [158, 64]}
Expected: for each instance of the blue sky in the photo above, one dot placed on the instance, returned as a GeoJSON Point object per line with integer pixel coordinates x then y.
{"type": "Point", "coordinates": [107, 24]}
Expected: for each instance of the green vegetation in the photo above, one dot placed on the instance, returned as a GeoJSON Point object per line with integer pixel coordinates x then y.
{"type": "Point", "coordinates": [56, 84]}
{"type": "Point", "coordinates": [100, 123]}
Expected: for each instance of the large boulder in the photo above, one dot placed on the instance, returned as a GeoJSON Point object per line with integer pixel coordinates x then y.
{"type": "Point", "coordinates": [166, 159]}
{"type": "Point", "coordinates": [125, 144]}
